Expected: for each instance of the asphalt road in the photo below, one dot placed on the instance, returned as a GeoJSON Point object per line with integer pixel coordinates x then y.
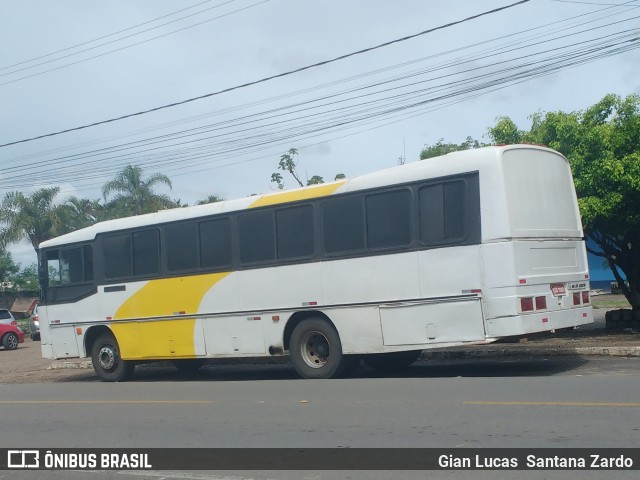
{"type": "Point", "coordinates": [558, 402]}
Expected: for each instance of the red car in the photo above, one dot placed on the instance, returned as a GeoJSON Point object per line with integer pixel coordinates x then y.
{"type": "Point", "coordinates": [10, 336]}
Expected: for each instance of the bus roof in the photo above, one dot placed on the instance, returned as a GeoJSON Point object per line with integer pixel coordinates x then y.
{"type": "Point", "coordinates": [450, 164]}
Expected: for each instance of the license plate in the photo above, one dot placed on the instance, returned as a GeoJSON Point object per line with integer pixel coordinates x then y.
{"type": "Point", "coordinates": [558, 289]}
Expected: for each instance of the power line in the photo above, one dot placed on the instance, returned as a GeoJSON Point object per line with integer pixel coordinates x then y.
{"type": "Point", "coordinates": [280, 112]}
{"type": "Point", "coordinates": [363, 112]}
{"type": "Point", "coordinates": [474, 56]}
{"type": "Point", "coordinates": [595, 3]}
{"type": "Point", "coordinates": [126, 46]}
{"type": "Point", "coordinates": [111, 35]}
{"type": "Point", "coordinates": [280, 75]}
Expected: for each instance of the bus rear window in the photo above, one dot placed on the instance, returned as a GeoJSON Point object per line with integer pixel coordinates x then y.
{"type": "Point", "coordinates": [540, 195]}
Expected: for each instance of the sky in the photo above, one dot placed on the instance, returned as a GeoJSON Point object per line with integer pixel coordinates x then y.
{"type": "Point", "coordinates": [72, 63]}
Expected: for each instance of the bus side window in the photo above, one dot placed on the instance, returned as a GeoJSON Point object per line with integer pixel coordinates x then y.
{"type": "Point", "coordinates": [443, 212]}
{"type": "Point", "coordinates": [146, 252]}
{"type": "Point", "coordinates": [294, 232]}
{"type": "Point", "coordinates": [256, 237]}
{"type": "Point", "coordinates": [389, 219]}
{"type": "Point", "coordinates": [343, 225]}
{"type": "Point", "coordinates": [53, 268]}
{"type": "Point", "coordinates": [182, 247]}
{"type": "Point", "coordinates": [70, 265]}
{"type": "Point", "coordinates": [215, 243]}
{"type": "Point", "coordinates": [116, 250]}
{"type": "Point", "coordinates": [88, 262]}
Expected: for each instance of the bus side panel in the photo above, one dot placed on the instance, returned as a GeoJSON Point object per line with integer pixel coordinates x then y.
{"type": "Point", "coordinates": [452, 271]}
{"type": "Point", "coordinates": [448, 322]}
{"type": "Point", "coordinates": [287, 286]}
{"type": "Point", "coordinates": [359, 329]}
{"type": "Point", "coordinates": [376, 279]}
{"type": "Point", "coordinates": [174, 297]}
{"type": "Point", "coordinates": [66, 344]}
{"type": "Point", "coordinates": [58, 336]}
{"type": "Point", "coordinates": [234, 335]}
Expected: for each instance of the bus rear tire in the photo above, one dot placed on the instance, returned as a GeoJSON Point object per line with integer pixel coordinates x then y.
{"type": "Point", "coordinates": [315, 349]}
{"type": "Point", "coordinates": [388, 362]}
{"type": "Point", "coordinates": [107, 363]}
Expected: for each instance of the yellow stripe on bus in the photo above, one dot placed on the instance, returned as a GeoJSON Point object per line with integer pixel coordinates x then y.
{"type": "Point", "coordinates": [296, 195]}
{"type": "Point", "coordinates": [164, 297]}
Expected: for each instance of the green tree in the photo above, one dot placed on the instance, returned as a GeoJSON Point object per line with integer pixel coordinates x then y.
{"type": "Point", "coordinates": [289, 164]}
{"type": "Point", "coordinates": [7, 266]}
{"type": "Point", "coordinates": [442, 148]}
{"type": "Point", "coordinates": [33, 217]}
{"type": "Point", "coordinates": [315, 180]}
{"type": "Point", "coordinates": [25, 280]}
{"type": "Point", "coordinates": [79, 213]}
{"type": "Point", "coordinates": [210, 199]}
{"type": "Point", "coordinates": [134, 195]}
{"type": "Point", "coordinates": [602, 144]}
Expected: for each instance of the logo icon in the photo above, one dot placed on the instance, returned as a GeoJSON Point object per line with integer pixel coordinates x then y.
{"type": "Point", "coordinates": [23, 459]}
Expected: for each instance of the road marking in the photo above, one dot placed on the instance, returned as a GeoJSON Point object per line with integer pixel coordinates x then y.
{"type": "Point", "coordinates": [104, 402]}
{"type": "Point", "coordinates": [560, 404]}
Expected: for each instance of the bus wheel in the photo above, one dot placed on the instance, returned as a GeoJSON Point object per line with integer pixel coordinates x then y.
{"type": "Point", "coordinates": [188, 365]}
{"type": "Point", "coordinates": [105, 356]}
{"type": "Point", "coordinates": [315, 349]}
{"type": "Point", "coordinates": [392, 361]}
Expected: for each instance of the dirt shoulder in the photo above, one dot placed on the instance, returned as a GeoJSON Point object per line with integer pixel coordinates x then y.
{"type": "Point", "coordinates": [26, 365]}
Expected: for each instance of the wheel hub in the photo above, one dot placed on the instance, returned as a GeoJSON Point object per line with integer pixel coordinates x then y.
{"type": "Point", "coordinates": [107, 357]}
{"type": "Point", "coordinates": [315, 350]}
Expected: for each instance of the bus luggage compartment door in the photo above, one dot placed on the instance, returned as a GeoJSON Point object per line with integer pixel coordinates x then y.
{"type": "Point", "coordinates": [64, 342]}
{"type": "Point", "coordinates": [423, 323]}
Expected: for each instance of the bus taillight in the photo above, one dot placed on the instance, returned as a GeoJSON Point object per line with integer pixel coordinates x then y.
{"type": "Point", "coordinates": [530, 304]}
{"type": "Point", "coordinates": [541, 303]}
{"type": "Point", "coordinates": [576, 299]}
{"type": "Point", "coordinates": [585, 297]}
{"type": "Point", "coordinates": [526, 304]}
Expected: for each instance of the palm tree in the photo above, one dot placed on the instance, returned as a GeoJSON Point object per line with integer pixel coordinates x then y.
{"type": "Point", "coordinates": [81, 212]}
{"type": "Point", "coordinates": [133, 194]}
{"type": "Point", "coordinates": [33, 217]}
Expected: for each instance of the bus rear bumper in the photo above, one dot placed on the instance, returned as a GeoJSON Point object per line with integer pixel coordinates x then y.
{"type": "Point", "coordinates": [538, 322]}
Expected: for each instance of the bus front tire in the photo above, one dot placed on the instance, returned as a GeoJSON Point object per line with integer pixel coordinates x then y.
{"type": "Point", "coordinates": [388, 362]}
{"type": "Point", "coordinates": [315, 349]}
{"type": "Point", "coordinates": [107, 363]}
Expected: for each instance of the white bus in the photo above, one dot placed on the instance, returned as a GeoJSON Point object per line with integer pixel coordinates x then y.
{"type": "Point", "coordinates": [466, 248]}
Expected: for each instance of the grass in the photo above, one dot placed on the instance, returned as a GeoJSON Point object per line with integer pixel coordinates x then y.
{"type": "Point", "coordinates": [24, 326]}
{"type": "Point", "coordinates": [610, 302]}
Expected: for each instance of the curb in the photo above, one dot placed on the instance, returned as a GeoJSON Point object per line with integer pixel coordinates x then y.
{"type": "Point", "coordinates": [532, 351]}
{"type": "Point", "coordinates": [69, 365]}
{"type": "Point", "coordinates": [428, 355]}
